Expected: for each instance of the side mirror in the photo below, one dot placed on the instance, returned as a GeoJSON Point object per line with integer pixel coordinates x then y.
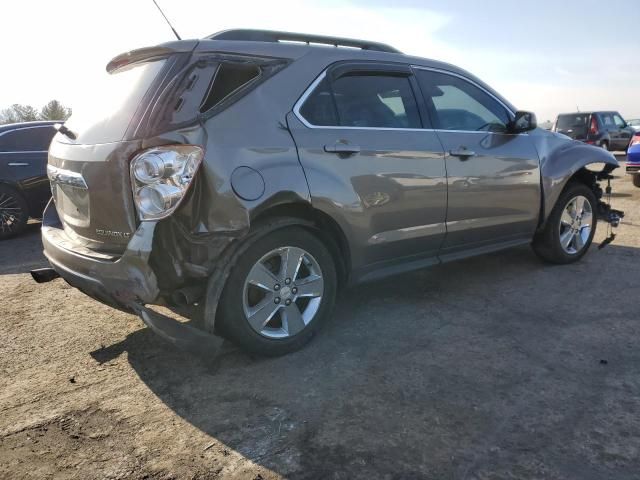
{"type": "Point", "coordinates": [523, 122]}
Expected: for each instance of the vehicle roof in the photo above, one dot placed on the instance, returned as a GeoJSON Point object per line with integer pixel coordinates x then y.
{"type": "Point", "coordinates": [39, 123]}
{"type": "Point", "coordinates": [328, 54]}
{"type": "Point", "coordinates": [588, 112]}
{"type": "Point", "coordinates": [293, 46]}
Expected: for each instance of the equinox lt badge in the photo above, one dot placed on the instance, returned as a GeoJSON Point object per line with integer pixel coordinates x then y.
{"type": "Point", "coordinates": [112, 234]}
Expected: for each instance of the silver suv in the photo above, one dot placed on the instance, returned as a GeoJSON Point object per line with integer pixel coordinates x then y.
{"type": "Point", "coordinates": [257, 174]}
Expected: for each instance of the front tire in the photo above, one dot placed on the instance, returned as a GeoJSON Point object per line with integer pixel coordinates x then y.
{"type": "Point", "coordinates": [636, 179]}
{"type": "Point", "coordinates": [14, 212]}
{"type": "Point", "coordinates": [570, 227]}
{"type": "Point", "coordinates": [279, 293]}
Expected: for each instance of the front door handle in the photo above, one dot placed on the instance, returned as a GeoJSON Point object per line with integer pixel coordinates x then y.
{"type": "Point", "coordinates": [344, 148]}
{"type": "Point", "coordinates": [463, 153]}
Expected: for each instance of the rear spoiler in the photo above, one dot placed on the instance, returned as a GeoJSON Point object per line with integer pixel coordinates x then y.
{"type": "Point", "coordinates": [148, 53]}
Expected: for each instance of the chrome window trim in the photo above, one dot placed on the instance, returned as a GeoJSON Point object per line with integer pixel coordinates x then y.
{"type": "Point", "coordinates": [25, 128]}
{"type": "Point", "coordinates": [15, 152]}
{"type": "Point", "coordinates": [298, 105]}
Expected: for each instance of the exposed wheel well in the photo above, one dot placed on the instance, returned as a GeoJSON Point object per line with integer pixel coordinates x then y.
{"type": "Point", "coordinates": [586, 176]}
{"type": "Point", "coordinates": [321, 225]}
{"type": "Point", "coordinates": [582, 175]}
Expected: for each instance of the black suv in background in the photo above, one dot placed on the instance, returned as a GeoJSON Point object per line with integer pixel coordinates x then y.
{"type": "Point", "coordinates": [604, 129]}
{"type": "Point", "coordinates": [24, 186]}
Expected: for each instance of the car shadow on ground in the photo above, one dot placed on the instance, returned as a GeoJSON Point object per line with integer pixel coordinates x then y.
{"type": "Point", "coordinates": [484, 366]}
{"type": "Point", "coordinates": [23, 253]}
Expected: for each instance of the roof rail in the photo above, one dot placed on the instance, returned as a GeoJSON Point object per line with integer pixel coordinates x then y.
{"type": "Point", "coordinates": [275, 36]}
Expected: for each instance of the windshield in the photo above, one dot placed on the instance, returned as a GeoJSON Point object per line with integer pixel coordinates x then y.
{"type": "Point", "coordinates": [108, 106]}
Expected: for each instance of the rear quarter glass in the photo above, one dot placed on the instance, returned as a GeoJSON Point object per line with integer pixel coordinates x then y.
{"type": "Point", "coordinates": [108, 106]}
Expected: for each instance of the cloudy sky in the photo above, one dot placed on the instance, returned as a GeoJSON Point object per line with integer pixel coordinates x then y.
{"type": "Point", "coordinates": [544, 55]}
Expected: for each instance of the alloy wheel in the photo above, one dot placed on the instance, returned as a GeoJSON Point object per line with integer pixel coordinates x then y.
{"type": "Point", "coordinates": [576, 223]}
{"type": "Point", "coordinates": [283, 292]}
{"type": "Point", "coordinates": [10, 213]}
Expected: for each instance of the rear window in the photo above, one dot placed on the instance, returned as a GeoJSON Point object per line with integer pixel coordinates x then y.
{"type": "Point", "coordinates": [29, 139]}
{"type": "Point", "coordinates": [566, 122]}
{"type": "Point", "coordinates": [108, 107]}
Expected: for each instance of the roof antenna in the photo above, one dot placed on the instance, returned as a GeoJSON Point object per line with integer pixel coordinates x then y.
{"type": "Point", "coordinates": [165, 17]}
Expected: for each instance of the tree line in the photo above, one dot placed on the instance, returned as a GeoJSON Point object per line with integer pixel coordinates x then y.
{"type": "Point", "coordinates": [16, 113]}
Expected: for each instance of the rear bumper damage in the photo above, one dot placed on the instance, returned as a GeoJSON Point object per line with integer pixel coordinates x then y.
{"type": "Point", "coordinates": [126, 282]}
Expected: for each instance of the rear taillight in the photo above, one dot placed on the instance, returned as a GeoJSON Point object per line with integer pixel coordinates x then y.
{"type": "Point", "coordinates": [635, 140]}
{"type": "Point", "coordinates": [161, 176]}
{"type": "Point", "coordinates": [593, 129]}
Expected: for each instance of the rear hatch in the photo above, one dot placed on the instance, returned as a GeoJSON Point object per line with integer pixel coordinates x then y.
{"type": "Point", "coordinates": [89, 168]}
{"type": "Point", "coordinates": [574, 125]}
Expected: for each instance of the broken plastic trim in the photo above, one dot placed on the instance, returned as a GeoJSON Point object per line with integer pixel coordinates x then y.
{"type": "Point", "coordinates": [160, 116]}
{"type": "Point", "coordinates": [180, 335]}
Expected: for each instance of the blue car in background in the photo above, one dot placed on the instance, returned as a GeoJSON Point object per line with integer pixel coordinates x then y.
{"type": "Point", "coordinates": [633, 159]}
{"type": "Point", "coordinates": [24, 186]}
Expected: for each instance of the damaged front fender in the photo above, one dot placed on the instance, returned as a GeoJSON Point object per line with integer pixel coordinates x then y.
{"type": "Point", "coordinates": [562, 159]}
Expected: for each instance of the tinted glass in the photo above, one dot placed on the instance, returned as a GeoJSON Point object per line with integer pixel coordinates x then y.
{"type": "Point", "coordinates": [32, 139]}
{"type": "Point", "coordinates": [228, 78]}
{"type": "Point", "coordinates": [375, 101]}
{"type": "Point", "coordinates": [319, 108]}
{"type": "Point", "coordinates": [456, 104]}
{"type": "Point", "coordinates": [379, 101]}
{"type": "Point", "coordinates": [572, 121]}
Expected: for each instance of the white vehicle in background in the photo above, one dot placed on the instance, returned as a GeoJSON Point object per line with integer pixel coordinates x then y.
{"type": "Point", "coordinates": [634, 123]}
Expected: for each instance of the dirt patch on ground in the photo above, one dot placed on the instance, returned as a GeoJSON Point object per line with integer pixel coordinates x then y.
{"type": "Point", "coordinates": [495, 367]}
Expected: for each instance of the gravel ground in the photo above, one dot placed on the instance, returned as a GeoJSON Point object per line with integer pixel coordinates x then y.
{"type": "Point", "coordinates": [496, 367]}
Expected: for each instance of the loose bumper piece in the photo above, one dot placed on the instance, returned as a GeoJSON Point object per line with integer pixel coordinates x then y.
{"type": "Point", "coordinates": [126, 282]}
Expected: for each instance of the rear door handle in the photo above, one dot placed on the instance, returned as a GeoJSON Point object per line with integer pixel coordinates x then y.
{"type": "Point", "coordinates": [463, 153]}
{"type": "Point", "coordinates": [342, 148]}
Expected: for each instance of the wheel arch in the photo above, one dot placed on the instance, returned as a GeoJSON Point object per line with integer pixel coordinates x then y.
{"type": "Point", "coordinates": [574, 161]}
{"type": "Point", "coordinates": [319, 222]}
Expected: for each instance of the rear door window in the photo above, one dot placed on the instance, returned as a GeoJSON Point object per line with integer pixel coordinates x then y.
{"type": "Point", "coordinates": [363, 100]}
{"type": "Point", "coordinates": [456, 104]}
{"type": "Point", "coordinates": [607, 120]}
{"type": "Point", "coordinates": [29, 139]}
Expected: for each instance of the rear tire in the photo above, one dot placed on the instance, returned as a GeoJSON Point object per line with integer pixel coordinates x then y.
{"type": "Point", "coordinates": [279, 293]}
{"type": "Point", "coordinates": [570, 227]}
{"type": "Point", "coordinates": [14, 212]}
{"type": "Point", "coordinates": [636, 179]}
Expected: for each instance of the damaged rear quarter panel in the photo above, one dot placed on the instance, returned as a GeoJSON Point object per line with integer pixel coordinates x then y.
{"type": "Point", "coordinates": [560, 159]}
{"type": "Point", "coordinates": [196, 239]}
